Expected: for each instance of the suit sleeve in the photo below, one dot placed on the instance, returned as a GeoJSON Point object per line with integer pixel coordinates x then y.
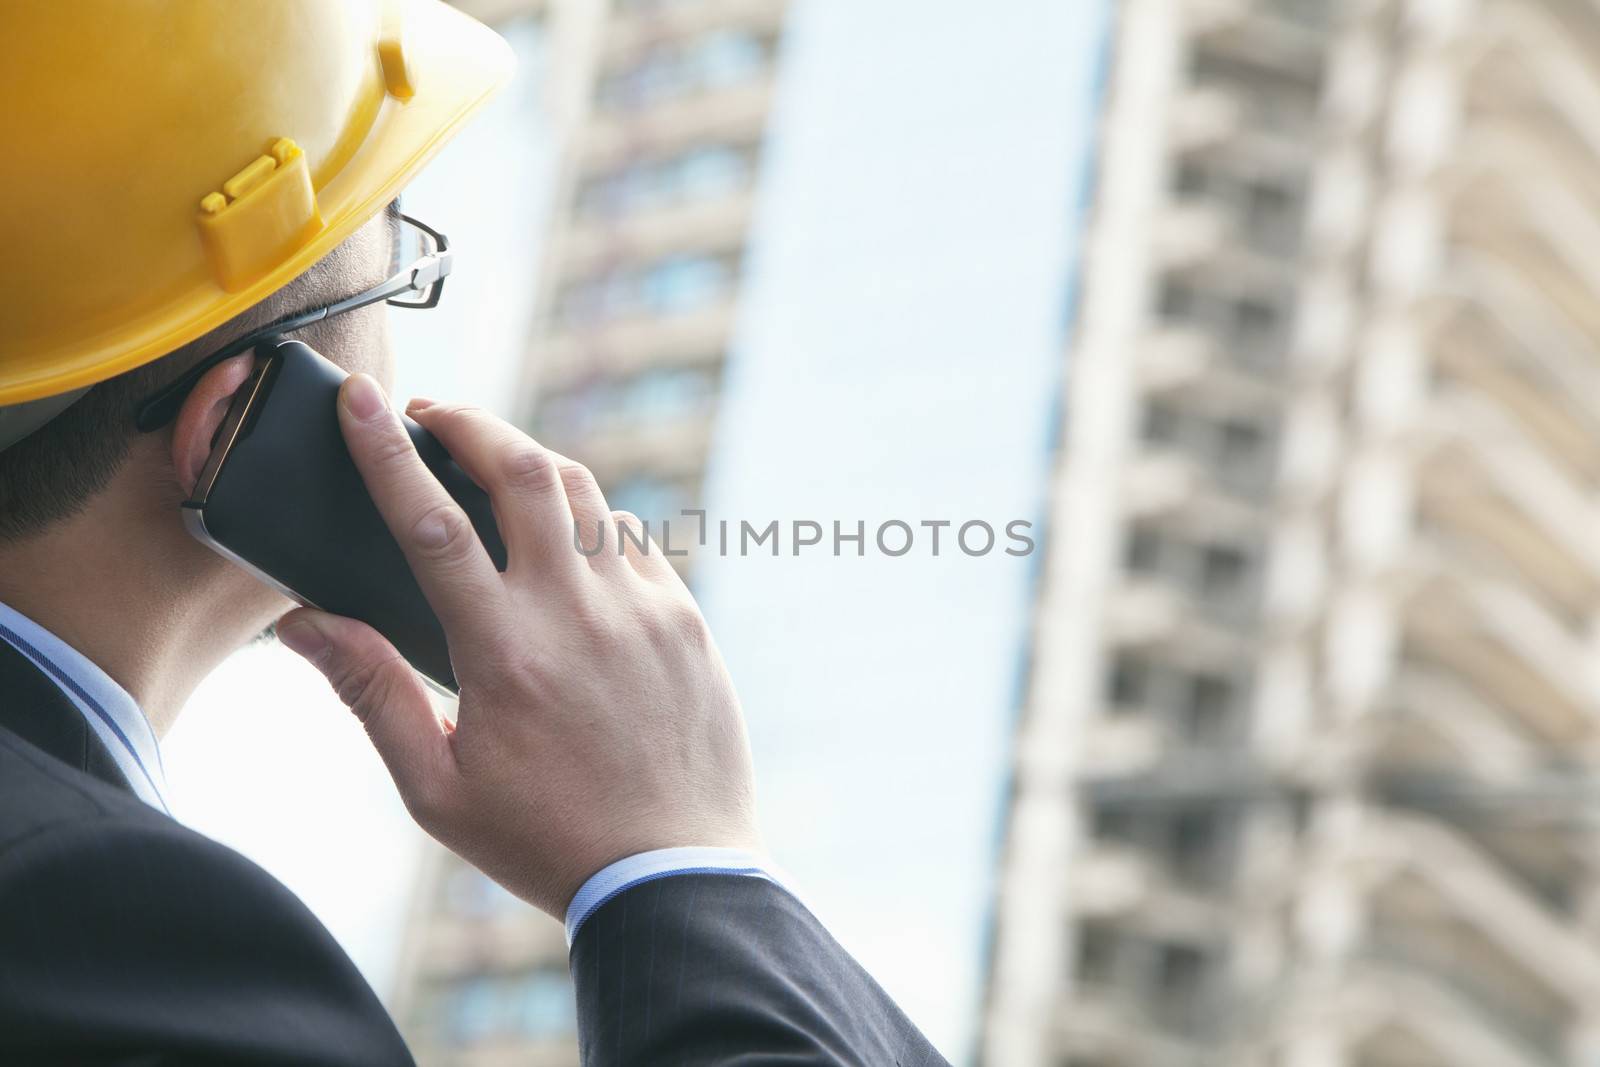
{"type": "Point", "coordinates": [128, 940]}
{"type": "Point", "coordinates": [712, 969]}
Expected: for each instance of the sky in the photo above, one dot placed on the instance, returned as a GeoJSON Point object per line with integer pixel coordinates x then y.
{"type": "Point", "coordinates": [898, 356]}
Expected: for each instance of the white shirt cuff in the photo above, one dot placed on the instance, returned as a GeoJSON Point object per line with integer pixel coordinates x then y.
{"type": "Point", "coordinates": [663, 863]}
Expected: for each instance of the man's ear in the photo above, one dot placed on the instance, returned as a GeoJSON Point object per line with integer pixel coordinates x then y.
{"type": "Point", "coordinates": [202, 414]}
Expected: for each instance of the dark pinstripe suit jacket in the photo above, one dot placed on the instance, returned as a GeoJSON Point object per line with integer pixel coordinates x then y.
{"type": "Point", "coordinates": [719, 969]}
{"type": "Point", "coordinates": [127, 939]}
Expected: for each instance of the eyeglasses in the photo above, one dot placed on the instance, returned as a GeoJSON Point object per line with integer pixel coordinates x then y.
{"type": "Point", "coordinates": [417, 286]}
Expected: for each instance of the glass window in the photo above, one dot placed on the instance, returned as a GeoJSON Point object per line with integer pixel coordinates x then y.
{"type": "Point", "coordinates": [470, 894]}
{"type": "Point", "coordinates": [1181, 971]}
{"type": "Point", "coordinates": [472, 1010]}
{"type": "Point", "coordinates": [1130, 681]}
{"type": "Point", "coordinates": [668, 286]}
{"type": "Point", "coordinates": [728, 57]}
{"type": "Point", "coordinates": [1255, 320]}
{"type": "Point", "coordinates": [535, 1004]}
{"type": "Point", "coordinates": [1271, 217]}
{"type": "Point", "coordinates": [1241, 442]}
{"type": "Point", "coordinates": [651, 499]}
{"type": "Point", "coordinates": [664, 394]}
{"type": "Point", "coordinates": [712, 171]}
{"type": "Point", "coordinates": [683, 283]}
{"type": "Point", "coordinates": [1268, 205]}
{"type": "Point", "coordinates": [717, 60]}
{"type": "Point", "coordinates": [1144, 550]}
{"type": "Point", "coordinates": [1222, 569]}
{"type": "Point", "coordinates": [1313, 13]}
{"type": "Point", "coordinates": [668, 393]}
{"type": "Point", "coordinates": [1160, 422]}
{"type": "Point", "coordinates": [1210, 702]}
{"type": "Point", "coordinates": [543, 1004]}
{"type": "Point", "coordinates": [1275, 99]}
{"type": "Point", "coordinates": [1177, 300]}
{"type": "Point", "coordinates": [1191, 180]}
{"type": "Point", "coordinates": [1097, 953]}
{"type": "Point", "coordinates": [1111, 823]}
{"type": "Point", "coordinates": [702, 173]}
{"type": "Point", "coordinates": [1194, 845]}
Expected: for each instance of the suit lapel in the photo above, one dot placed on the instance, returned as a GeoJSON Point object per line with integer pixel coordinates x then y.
{"type": "Point", "coordinates": [34, 708]}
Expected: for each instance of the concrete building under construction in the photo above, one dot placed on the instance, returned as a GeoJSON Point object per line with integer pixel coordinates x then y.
{"type": "Point", "coordinates": [661, 109]}
{"type": "Point", "coordinates": [1300, 778]}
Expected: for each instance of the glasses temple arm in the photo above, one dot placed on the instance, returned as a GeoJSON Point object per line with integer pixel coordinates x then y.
{"type": "Point", "coordinates": [433, 269]}
{"type": "Point", "coordinates": [163, 407]}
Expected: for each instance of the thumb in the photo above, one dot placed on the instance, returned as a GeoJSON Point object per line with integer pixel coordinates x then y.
{"type": "Point", "coordinates": [378, 684]}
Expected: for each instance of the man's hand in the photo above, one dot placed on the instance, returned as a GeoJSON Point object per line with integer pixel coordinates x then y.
{"type": "Point", "coordinates": [596, 719]}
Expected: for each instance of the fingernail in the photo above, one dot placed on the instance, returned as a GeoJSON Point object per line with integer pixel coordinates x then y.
{"type": "Point", "coordinates": [362, 397]}
{"type": "Point", "coordinates": [420, 402]}
{"type": "Point", "coordinates": [305, 640]}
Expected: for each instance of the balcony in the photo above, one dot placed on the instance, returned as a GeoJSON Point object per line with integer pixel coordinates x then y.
{"type": "Point", "coordinates": [590, 245]}
{"type": "Point", "coordinates": [1514, 513]}
{"type": "Point", "coordinates": [1198, 233]}
{"type": "Point", "coordinates": [632, 27]}
{"type": "Point", "coordinates": [1126, 743]}
{"type": "Point", "coordinates": [1428, 877]}
{"type": "Point", "coordinates": [456, 946]}
{"type": "Point", "coordinates": [1158, 614]}
{"type": "Point", "coordinates": [1238, 325]}
{"type": "Point", "coordinates": [1169, 479]}
{"type": "Point", "coordinates": [1540, 140]}
{"type": "Point", "coordinates": [1510, 342]}
{"type": "Point", "coordinates": [497, 11]}
{"type": "Point", "coordinates": [1494, 637]}
{"type": "Point", "coordinates": [1534, 224]}
{"type": "Point", "coordinates": [1552, 99]}
{"type": "Point", "coordinates": [1143, 993]}
{"type": "Point", "coordinates": [1213, 121]}
{"type": "Point", "coordinates": [1533, 829]}
{"type": "Point", "coordinates": [1102, 1024]}
{"type": "Point", "coordinates": [1470, 736]}
{"type": "Point", "coordinates": [1192, 232]}
{"type": "Point", "coordinates": [665, 449]}
{"type": "Point", "coordinates": [1131, 742]}
{"type": "Point", "coordinates": [627, 346]}
{"type": "Point", "coordinates": [1404, 1011]}
{"type": "Point", "coordinates": [1192, 363]}
{"type": "Point", "coordinates": [1446, 918]}
{"type": "Point", "coordinates": [1290, 35]}
{"type": "Point", "coordinates": [1240, 103]}
{"type": "Point", "coordinates": [733, 115]}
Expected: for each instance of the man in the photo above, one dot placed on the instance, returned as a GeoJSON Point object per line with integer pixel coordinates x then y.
{"type": "Point", "coordinates": [179, 175]}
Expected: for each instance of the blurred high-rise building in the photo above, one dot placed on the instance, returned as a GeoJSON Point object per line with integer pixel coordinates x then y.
{"type": "Point", "coordinates": [1300, 778]}
{"type": "Point", "coordinates": [662, 108]}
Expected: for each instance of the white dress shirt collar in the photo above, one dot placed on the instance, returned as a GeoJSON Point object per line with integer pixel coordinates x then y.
{"type": "Point", "coordinates": [107, 707]}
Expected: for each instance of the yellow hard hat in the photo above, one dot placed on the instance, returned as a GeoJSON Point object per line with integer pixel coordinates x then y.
{"type": "Point", "coordinates": [169, 163]}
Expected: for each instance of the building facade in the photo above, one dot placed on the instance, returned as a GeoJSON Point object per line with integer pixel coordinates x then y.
{"type": "Point", "coordinates": [648, 242]}
{"type": "Point", "coordinates": [662, 107]}
{"type": "Point", "coordinates": [1300, 779]}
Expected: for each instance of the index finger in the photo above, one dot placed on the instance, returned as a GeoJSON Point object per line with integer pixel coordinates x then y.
{"type": "Point", "coordinates": [450, 563]}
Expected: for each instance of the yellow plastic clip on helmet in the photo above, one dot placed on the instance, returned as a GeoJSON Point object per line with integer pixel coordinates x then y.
{"type": "Point", "coordinates": [169, 163]}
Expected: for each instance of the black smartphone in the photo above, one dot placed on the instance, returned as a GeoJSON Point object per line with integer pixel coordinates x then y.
{"type": "Point", "coordinates": [280, 496]}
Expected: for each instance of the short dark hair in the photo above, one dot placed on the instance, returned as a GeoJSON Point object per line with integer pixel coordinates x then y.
{"type": "Point", "coordinates": [52, 473]}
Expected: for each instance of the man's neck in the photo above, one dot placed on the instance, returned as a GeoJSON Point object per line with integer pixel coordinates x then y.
{"type": "Point", "coordinates": [152, 609]}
